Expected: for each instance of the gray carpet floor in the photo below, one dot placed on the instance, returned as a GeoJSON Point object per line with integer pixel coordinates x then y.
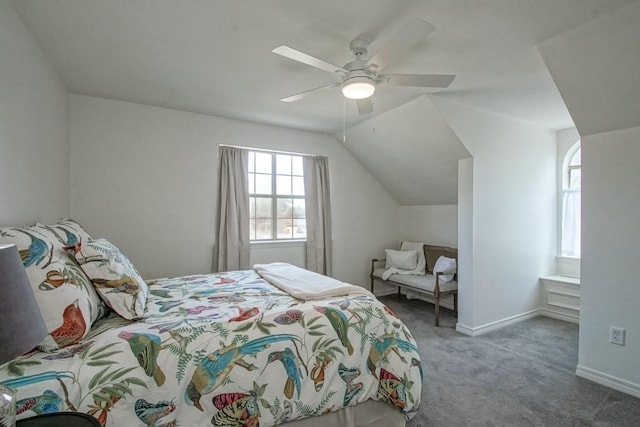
{"type": "Point", "coordinates": [520, 375]}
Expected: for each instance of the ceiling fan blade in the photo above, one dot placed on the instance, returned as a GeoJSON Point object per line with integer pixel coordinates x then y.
{"type": "Point", "coordinates": [301, 95]}
{"type": "Point", "coordinates": [414, 31]}
{"type": "Point", "coordinates": [296, 55]}
{"type": "Point", "coordinates": [365, 106]}
{"type": "Point", "coordinates": [419, 80]}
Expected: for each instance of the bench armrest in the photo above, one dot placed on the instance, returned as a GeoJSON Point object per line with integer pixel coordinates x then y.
{"type": "Point", "coordinates": [376, 260]}
{"type": "Point", "coordinates": [436, 290]}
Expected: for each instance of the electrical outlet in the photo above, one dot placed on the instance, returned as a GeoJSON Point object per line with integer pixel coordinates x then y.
{"type": "Point", "coordinates": [616, 335]}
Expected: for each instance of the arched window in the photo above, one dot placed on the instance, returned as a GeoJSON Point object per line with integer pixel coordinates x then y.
{"type": "Point", "coordinates": [571, 202]}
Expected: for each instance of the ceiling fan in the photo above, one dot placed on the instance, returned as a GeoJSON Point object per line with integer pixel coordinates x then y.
{"type": "Point", "coordinates": [359, 78]}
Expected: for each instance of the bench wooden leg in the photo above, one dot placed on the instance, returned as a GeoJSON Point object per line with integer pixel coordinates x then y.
{"type": "Point", "coordinates": [455, 304]}
{"type": "Point", "coordinates": [399, 293]}
{"type": "Point", "coordinates": [372, 279]}
{"type": "Point", "coordinates": [437, 309]}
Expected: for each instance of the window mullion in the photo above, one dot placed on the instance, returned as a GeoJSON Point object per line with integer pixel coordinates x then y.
{"type": "Point", "coordinates": [274, 199]}
{"type": "Point", "coordinates": [274, 196]}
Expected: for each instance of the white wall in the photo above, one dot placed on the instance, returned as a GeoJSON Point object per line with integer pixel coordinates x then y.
{"type": "Point", "coordinates": [436, 225]}
{"type": "Point", "coordinates": [146, 178]}
{"type": "Point", "coordinates": [34, 129]}
{"type": "Point", "coordinates": [611, 238]}
{"type": "Point", "coordinates": [595, 67]}
{"type": "Point", "coordinates": [465, 243]}
{"type": "Point", "coordinates": [513, 214]}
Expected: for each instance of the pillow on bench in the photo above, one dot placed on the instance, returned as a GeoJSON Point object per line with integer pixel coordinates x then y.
{"type": "Point", "coordinates": [403, 260]}
{"type": "Point", "coordinates": [445, 264]}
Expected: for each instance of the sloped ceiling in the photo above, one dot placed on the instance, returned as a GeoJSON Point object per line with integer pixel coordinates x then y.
{"type": "Point", "coordinates": [412, 152]}
{"type": "Point", "coordinates": [214, 57]}
{"type": "Point", "coordinates": [597, 69]}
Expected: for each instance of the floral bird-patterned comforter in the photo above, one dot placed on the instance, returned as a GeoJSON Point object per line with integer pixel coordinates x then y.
{"type": "Point", "coordinates": [226, 349]}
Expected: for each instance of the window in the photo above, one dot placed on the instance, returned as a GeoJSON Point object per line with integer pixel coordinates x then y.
{"type": "Point", "coordinates": [571, 202]}
{"type": "Point", "coordinates": [276, 197]}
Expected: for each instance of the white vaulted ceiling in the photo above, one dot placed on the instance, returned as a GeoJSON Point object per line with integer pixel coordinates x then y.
{"type": "Point", "coordinates": [214, 57]}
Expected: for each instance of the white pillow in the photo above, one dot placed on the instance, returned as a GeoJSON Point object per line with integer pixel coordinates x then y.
{"type": "Point", "coordinates": [445, 264]}
{"type": "Point", "coordinates": [403, 260]}
{"type": "Point", "coordinates": [419, 248]}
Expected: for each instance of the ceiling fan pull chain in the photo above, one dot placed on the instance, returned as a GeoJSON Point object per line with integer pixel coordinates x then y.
{"type": "Point", "coordinates": [344, 120]}
{"type": "Point", "coordinates": [373, 117]}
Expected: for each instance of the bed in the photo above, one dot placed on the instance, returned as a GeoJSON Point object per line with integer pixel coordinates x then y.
{"type": "Point", "coordinates": [242, 348]}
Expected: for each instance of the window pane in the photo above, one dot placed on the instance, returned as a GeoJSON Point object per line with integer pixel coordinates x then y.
{"type": "Point", "coordinates": [283, 185]}
{"type": "Point", "coordinates": [298, 208]}
{"type": "Point", "coordinates": [576, 158]}
{"type": "Point", "coordinates": [574, 178]}
{"type": "Point", "coordinates": [283, 164]}
{"type": "Point", "coordinates": [252, 161]}
{"type": "Point", "coordinates": [296, 166]}
{"type": "Point", "coordinates": [252, 207]}
{"type": "Point", "coordinates": [285, 208]}
{"type": "Point", "coordinates": [285, 228]}
{"type": "Point", "coordinates": [299, 229]}
{"type": "Point", "coordinates": [263, 229]}
{"type": "Point", "coordinates": [263, 163]}
{"type": "Point", "coordinates": [252, 229]}
{"type": "Point", "coordinates": [263, 184]}
{"type": "Point", "coordinates": [252, 183]}
{"type": "Point", "coordinates": [263, 207]}
{"type": "Point", "coordinates": [276, 186]}
{"type": "Point", "coordinates": [298, 185]}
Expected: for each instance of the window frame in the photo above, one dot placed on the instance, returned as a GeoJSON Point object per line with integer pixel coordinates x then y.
{"type": "Point", "coordinates": [274, 196]}
{"type": "Point", "coordinates": [567, 169]}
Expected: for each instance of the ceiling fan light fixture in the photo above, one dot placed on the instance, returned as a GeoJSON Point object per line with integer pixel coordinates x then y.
{"type": "Point", "coordinates": [358, 87]}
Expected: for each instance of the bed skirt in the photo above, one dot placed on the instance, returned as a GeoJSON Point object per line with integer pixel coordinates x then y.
{"type": "Point", "coordinates": [367, 414]}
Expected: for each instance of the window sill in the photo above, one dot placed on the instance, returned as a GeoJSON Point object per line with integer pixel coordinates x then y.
{"type": "Point", "coordinates": [278, 243]}
{"type": "Point", "coordinates": [568, 267]}
{"type": "Point", "coordinates": [565, 280]}
{"type": "Point", "coordinates": [568, 258]}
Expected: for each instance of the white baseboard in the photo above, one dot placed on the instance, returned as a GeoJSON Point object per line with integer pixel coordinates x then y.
{"type": "Point", "coordinates": [483, 329]}
{"type": "Point", "coordinates": [560, 316]}
{"type": "Point", "coordinates": [608, 381]}
{"type": "Point", "coordinates": [446, 302]}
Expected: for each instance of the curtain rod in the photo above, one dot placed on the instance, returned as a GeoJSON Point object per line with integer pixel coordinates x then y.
{"type": "Point", "coordinates": [266, 150]}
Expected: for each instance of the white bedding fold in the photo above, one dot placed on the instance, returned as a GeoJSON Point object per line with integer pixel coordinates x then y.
{"type": "Point", "coordinates": [304, 284]}
{"type": "Point", "coordinates": [391, 271]}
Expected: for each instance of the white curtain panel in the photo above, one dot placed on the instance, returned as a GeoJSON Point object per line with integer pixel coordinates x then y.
{"type": "Point", "coordinates": [318, 214]}
{"type": "Point", "coordinates": [231, 251]}
{"type": "Point", "coordinates": [571, 223]}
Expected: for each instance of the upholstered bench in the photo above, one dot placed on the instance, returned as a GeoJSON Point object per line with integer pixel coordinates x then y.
{"type": "Point", "coordinates": [426, 284]}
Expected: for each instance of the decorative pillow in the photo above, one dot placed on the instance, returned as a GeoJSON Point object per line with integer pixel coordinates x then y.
{"type": "Point", "coordinates": [68, 231]}
{"type": "Point", "coordinates": [114, 277]}
{"type": "Point", "coordinates": [419, 248]}
{"type": "Point", "coordinates": [403, 260]}
{"type": "Point", "coordinates": [67, 300]}
{"type": "Point", "coordinates": [445, 264]}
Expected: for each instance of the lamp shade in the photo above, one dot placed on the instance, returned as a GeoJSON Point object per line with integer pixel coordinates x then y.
{"type": "Point", "coordinates": [21, 324]}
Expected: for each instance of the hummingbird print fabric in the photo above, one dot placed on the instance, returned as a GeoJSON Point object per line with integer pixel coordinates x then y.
{"type": "Point", "coordinates": [226, 349]}
{"type": "Point", "coordinates": [68, 301]}
{"type": "Point", "coordinates": [115, 278]}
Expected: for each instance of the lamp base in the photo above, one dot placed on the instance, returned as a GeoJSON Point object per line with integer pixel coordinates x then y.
{"type": "Point", "coordinates": [7, 407]}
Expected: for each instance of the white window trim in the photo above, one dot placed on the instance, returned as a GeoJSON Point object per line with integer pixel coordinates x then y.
{"type": "Point", "coordinates": [274, 197]}
{"type": "Point", "coordinates": [567, 266]}
{"type": "Point", "coordinates": [293, 243]}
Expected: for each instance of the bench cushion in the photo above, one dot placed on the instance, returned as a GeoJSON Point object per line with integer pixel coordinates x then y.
{"type": "Point", "coordinates": [425, 282]}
